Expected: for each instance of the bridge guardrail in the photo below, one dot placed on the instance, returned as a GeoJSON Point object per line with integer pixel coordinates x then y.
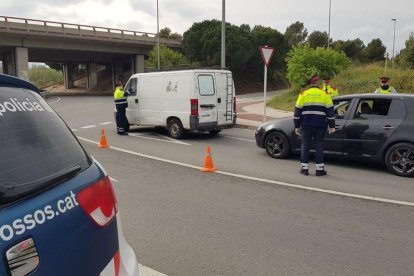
{"type": "Point", "coordinates": [16, 24]}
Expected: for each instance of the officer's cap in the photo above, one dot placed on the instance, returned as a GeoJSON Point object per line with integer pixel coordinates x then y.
{"type": "Point", "coordinates": [118, 83]}
{"type": "Point", "coordinates": [313, 80]}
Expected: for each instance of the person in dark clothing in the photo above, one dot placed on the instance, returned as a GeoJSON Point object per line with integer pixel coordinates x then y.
{"type": "Point", "coordinates": [121, 104]}
{"type": "Point", "coordinates": [314, 114]}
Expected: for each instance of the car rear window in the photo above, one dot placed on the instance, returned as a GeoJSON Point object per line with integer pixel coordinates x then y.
{"type": "Point", "coordinates": [34, 142]}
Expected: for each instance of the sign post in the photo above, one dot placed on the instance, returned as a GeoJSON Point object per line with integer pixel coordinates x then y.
{"type": "Point", "coordinates": [267, 54]}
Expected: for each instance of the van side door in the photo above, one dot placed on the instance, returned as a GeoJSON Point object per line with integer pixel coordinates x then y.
{"type": "Point", "coordinates": [207, 96]}
{"type": "Point", "coordinates": [225, 98]}
{"type": "Point", "coordinates": [132, 111]}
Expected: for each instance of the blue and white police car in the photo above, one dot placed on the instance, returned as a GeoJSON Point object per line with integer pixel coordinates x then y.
{"type": "Point", "coordinates": [58, 209]}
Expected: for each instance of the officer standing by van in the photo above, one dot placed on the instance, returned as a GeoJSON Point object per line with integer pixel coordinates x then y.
{"type": "Point", "coordinates": [121, 103]}
{"type": "Point", "coordinates": [314, 113]}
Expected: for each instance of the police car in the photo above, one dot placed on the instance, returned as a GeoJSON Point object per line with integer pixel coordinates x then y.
{"type": "Point", "coordinates": [58, 210]}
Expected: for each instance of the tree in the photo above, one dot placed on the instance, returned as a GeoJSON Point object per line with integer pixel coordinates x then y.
{"type": "Point", "coordinates": [296, 34]}
{"type": "Point", "coordinates": [318, 39]}
{"type": "Point", "coordinates": [353, 49]}
{"type": "Point", "coordinates": [166, 33]}
{"type": "Point", "coordinates": [304, 61]}
{"type": "Point", "coordinates": [168, 58]}
{"type": "Point", "coordinates": [261, 36]}
{"type": "Point", "coordinates": [202, 42]}
{"type": "Point", "coordinates": [375, 50]}
{"type": "Point", "coordinates": [406, 56]}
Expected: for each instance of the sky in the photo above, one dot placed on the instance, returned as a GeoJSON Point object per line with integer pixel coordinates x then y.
{"type": "Point", "coordinates": [350, 19]}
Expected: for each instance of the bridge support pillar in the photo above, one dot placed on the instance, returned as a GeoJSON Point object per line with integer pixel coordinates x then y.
{"type": "Point", "coordinates": [68, 76]}
{"type": "Point", "coordinates": [117, 70]}
{"type": "Point", "coordinates": [8, 64]}
{"type": "Point", "coordinates": [138, 64]}
{"type": "Point", "coordinates": [92, 80]}
{"type": "Point", "coordinates": [22, 62]}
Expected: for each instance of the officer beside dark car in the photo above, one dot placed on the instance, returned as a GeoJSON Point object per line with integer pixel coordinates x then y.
{"type": "Point", "coordinates": [314, 113]}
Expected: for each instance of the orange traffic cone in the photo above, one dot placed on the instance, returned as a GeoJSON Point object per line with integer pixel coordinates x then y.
{"type": "Point", "coordinates": [208, 162]}
{"type": "Point", "coordinates": [103, 143]}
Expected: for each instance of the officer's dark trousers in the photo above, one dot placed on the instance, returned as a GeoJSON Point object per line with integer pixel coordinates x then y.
{"type": "Point", "coordinates": [121, 120]}
{"type": "Point", "coordinates": [308, 134]}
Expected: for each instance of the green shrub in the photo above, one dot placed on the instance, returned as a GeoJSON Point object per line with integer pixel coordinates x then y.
{"type": "Point", "coordinates": [43, 76]}
{"type": "Point", "coordinates": [304, 61]}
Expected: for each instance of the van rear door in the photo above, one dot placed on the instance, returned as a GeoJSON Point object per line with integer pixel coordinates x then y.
{"type": "Point", "coordinates": [207, 99]}
{"type": "Point", "coordinates": [225, 97]}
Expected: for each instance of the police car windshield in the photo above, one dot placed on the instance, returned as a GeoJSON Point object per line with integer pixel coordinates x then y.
{"type": "Point", "coordinates": [35, 144]}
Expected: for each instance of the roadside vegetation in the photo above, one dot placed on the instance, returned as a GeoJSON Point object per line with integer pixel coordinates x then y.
{"type": "Point", "coordinates": [354, 79]}
{"type": "Point", "coordinates": [42, 76]}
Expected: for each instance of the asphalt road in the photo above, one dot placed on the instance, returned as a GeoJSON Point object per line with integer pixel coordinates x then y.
{"type": "Point", "coordinates": [257, 215]}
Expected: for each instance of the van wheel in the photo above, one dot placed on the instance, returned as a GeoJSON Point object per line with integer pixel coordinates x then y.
{"type": "Point", "coordinates": [175, 128]}
{"type": "Point", "coordinates": [214, 131]}
{"type": "Point", "coordinates": [400, 159]}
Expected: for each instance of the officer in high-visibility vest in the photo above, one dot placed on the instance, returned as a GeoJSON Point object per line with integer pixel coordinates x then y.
{"type": "Point", "coordinates": [326, 86]}
{"type": "Point", "coordinates": [121, 104]}
{"type": "Point", "coordinates": [385, 87]}
{"type": "Point", "coordinates": [313, 117]}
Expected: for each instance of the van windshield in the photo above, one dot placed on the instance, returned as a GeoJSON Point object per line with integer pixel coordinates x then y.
{"type": "Point", "coordinates": [35, 143]}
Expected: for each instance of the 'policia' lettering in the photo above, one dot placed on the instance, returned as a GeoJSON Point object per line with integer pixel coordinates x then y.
{"type": "Point", "coordinates": [14, 105]}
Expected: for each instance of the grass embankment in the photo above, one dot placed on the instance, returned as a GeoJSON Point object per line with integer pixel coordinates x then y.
{"type": "Point", "coordinates": [43, 77]}
{"type": "Point", "coordinates": [356, 79]}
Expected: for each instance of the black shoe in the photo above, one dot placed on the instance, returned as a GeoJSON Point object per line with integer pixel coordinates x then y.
{"type": "Point", "coordinates": [304, 171]}
{"type": "Point", "coordinates": [320, 172]}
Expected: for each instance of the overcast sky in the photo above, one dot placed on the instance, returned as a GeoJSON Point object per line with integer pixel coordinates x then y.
{"type": "Point", "coordinates": [350, 19]}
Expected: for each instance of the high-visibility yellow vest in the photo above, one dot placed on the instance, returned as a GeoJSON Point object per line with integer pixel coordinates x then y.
{"type": "Point", "coordinates": [332, 91]}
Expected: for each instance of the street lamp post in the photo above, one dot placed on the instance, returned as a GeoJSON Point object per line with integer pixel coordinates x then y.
{"type": "Point", "coordinates": [329, 24]}
{"type": "Point", "coordinates": [393, 42]}
{"type": "Point", "coordinates": [223, 35]}
{"type": "Point", "coordinates": [158, 39]}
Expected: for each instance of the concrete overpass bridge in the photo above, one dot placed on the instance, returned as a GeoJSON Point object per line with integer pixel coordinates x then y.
{"type": "Point", "coordinates": [25, 40]}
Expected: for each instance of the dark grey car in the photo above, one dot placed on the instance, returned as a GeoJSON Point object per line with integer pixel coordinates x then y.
{"type": "Point", "coordinates": [374, 127]}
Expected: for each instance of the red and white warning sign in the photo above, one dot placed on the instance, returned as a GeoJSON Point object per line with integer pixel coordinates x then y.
{"type": "Point", "coordinates": [267, 54]}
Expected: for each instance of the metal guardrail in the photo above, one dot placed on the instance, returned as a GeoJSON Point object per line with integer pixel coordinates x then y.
{"type": "Point", "coordinates": [33, 26]}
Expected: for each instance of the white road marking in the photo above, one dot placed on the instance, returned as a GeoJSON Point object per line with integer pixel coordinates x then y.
{"type": "Point", "coordinates": [74, 129]}
{"type": "Point", "coordinates": [90, 126]}
{"type": "Point", "coordinates": [113, 179]}
{"type": "Point", "coordinates": [237, 138]}
{"type": "Point", "coordinates": [146, 271]}
{"type": "Point", "coordinates": [105, 123]}
{"type": "Point", "coordinates": [55, 101]}
{"type": "Point", "coordinates": [279, 183]}
{"type": "Point", "coordinates": [158, 139]}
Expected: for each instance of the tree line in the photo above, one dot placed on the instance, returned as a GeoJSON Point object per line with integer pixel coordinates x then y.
{"type": "Point", "coordinates": [201, 46]}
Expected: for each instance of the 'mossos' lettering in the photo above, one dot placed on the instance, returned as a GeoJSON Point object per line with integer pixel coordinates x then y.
{"type": "Point", "coordinates": [38, 217]}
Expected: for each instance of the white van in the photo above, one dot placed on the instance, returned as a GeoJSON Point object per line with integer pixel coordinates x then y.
{"type": "Point", "coordinates": [200, 99]}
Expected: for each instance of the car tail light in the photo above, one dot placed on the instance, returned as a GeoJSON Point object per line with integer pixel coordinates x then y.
{"type": "Point", "coordinates": [234, 104]}
{"type": "Point", "coordinates": [194, 107]}
{"type": "Point", "coordinates": [99, 202]}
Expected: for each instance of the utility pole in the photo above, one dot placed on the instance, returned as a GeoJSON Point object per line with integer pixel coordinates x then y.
{"type": "Point", "coordinates": [393, 42]}
{"type": "Point", "coordinates": [329, 24]}
{"type": "Point", "coordinates": [158, 39]}
{"type": "Point", "coordinates": [223, 35]}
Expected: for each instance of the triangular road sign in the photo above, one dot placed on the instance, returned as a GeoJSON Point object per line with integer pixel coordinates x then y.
{"type": "Point", "coordinates": [267, 54]}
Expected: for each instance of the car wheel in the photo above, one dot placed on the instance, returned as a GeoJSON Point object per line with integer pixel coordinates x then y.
{"type": "Point", "coordinates": [175, 128]}
{"type": "Point", "coordinates": [400, 159]}
{"type": "Point", "coordinates": [277, 145]}
{"type": "Point", "coordinates": [214, 131]}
